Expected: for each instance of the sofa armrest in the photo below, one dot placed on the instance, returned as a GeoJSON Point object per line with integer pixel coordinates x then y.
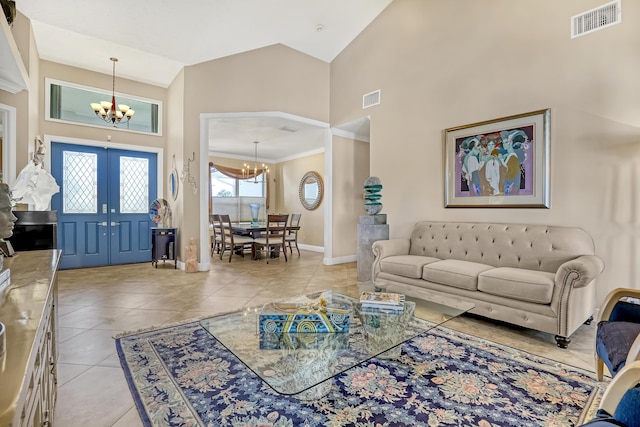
{"type": "Point", "coordinates": [385, 248]}
{"type": "Point", "coordinates": [391, 247]}
{"type": "Point", "coordinates": [579, 272]}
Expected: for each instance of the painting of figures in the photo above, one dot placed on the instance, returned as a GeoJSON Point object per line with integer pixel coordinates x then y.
{"type": "Point", "coordinates": [499, 163]}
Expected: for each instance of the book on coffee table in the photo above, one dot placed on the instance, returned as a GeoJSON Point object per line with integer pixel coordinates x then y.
{"type": "Point", "coordinates": [382, 300]}
{"type": "Point", "coordinates": [382, 310]}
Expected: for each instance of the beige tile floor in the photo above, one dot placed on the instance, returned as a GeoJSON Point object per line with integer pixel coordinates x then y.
{"type": "Point", "coordinates": [96, 304]}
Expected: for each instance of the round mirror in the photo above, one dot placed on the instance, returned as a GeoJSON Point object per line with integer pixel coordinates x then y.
{"type": "Point", "coordinates": [310, 190]}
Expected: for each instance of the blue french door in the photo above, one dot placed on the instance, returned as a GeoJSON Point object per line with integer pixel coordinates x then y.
{"type": "Point", "coordinates": [103, 204]}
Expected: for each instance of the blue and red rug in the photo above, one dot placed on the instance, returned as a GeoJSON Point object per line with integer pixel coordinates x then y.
{"type": "Point", "coordinates": [181, 376]}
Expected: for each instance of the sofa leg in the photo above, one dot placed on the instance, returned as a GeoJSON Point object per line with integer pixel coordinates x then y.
{"type": "Point", "coordinates": [588, 321]}
{"type": "Point", "coordinates": [563, 342]}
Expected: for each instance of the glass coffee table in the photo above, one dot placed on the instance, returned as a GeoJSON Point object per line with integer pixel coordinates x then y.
{"type": "Point", "coordinates": [302, 364]}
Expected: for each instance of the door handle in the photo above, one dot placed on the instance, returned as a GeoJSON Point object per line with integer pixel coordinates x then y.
{"type": "Point", "coordinates": [103, 224]}
{"type": "Point", "coordinates": [113, 223]}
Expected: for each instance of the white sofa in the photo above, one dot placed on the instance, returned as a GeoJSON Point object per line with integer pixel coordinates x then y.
{"type": "Point", "coordinates": [536, 276]}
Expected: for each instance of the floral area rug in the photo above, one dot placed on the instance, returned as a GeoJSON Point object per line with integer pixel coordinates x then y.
{"type": "Point", "coordinates": [181, 376]}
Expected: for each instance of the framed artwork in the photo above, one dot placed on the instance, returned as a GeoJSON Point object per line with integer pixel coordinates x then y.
{"type": "Point", "coordinates": [174, 184]}
{"type": "Point", "coordinates": [498, 163]}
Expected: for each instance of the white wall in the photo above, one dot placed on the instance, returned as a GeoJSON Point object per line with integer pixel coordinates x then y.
{"type": "Point", "coordinates": [441, 64]}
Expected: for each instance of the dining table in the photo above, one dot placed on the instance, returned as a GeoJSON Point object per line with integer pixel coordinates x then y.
{"type": "Point", "coordinates": [254, 230]}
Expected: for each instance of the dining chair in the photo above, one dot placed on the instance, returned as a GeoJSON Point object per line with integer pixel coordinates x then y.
{"type": "Point", "coordinates": [231, 241]}
{"type": "Point", "coordinates": [274, 236]}
{"type": "Point", "coordinates": [292, 233]}
{"type": "Point", "coordinates": [216, 236]}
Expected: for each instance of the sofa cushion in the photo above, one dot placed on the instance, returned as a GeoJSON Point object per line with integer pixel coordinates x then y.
{"type": "Point", "coordinates": [518, 283]}
{"type": "Point", "coordinates": [406, 265]}
{"type": "Point", "coordinates": [456, 273]}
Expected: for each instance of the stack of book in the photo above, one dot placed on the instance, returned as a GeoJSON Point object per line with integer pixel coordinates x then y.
{"type": "Point", "coordinates": [381, 301]}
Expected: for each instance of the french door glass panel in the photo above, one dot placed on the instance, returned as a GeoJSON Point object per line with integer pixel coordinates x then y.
{"type": "Point", "coordinates": [134, 185]}
{"type": "Point", "coordinates": [80, 180]}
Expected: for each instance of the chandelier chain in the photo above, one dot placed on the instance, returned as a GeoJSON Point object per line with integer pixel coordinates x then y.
{"type": "Point", "coordinates": [246, 170]}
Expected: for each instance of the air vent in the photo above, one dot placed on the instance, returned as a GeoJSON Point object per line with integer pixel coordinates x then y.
{"type": "Point", "coordinates": [596, 19]}
{"type": "Point", "coordinates": [371, 99]}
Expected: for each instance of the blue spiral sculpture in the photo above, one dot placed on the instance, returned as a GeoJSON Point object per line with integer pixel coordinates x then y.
{"type": "Point", "coordinates": [372, 188]}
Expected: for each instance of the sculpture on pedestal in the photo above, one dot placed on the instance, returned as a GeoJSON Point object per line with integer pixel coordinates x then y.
{"type": "Point", "coordinates": [371, 227]}
{"type": "Point", "coordinates": [372, 188]}
{"type": "Point", "coordinates": [34, 185]}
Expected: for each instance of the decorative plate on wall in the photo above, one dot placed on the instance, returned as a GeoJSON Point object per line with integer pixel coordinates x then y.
{"type": "Point", "coordinates": [174, 184]}
{"type": "Point", "coordinates": [158, 209]}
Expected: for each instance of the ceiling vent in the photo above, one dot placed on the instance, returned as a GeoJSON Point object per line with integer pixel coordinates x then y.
{"type": "Point", "coordinates": [371, 99]}
{"type": "Point", "coordinates": [596, 19]}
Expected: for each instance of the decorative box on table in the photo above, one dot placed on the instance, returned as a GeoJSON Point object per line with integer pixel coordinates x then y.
{"type": "Point", "coordinates": [304, 318]}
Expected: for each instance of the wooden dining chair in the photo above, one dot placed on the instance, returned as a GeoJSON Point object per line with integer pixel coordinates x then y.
{"type": "Point", "coordinates": [217, 236]}
{"type": "Point", "coordinates": [292, 232]}
{"type": "Point", "coordinates": [274, 237]}
{"type": "Point", "coordinates": [231, 241]}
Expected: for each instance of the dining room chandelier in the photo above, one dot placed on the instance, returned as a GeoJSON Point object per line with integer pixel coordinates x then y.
{"type": "Point", "coordinates": [250, 173]}
{"type": "Point", "coordinates": [110, 111]}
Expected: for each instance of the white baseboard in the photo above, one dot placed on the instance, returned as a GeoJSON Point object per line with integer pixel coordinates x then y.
{"type": "Point", "coordinates": [340, 260]}
{"type": "Point", "coordinates": [311, 248]}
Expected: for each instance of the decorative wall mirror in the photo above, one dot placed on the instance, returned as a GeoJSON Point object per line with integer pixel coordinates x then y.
{"type": "Point", "coordinates": [310, 190]}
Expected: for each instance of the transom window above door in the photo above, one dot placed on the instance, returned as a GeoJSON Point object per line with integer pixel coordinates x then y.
{"type": "Point", "coordinates": [71, 103]}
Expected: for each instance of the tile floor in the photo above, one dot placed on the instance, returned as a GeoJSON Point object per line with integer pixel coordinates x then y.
{"type": "Point", "coordinates": [96, 304]}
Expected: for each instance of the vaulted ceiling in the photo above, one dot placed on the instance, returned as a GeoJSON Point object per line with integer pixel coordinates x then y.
{"type": "Point", "coordinates": [154, 40]}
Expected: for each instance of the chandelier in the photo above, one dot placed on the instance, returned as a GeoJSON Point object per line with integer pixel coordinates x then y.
{"type": "Point", "coordinates": [249, 172]}
{"type": "Point", "coordinates": [108, 111]}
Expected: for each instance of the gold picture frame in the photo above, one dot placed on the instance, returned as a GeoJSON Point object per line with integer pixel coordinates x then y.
{"type": "Point", "coordinates": [499, 163]}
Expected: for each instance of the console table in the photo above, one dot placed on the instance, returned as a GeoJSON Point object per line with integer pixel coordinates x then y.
{"type": "Point", "coordinates": [28, 309]}
{"type": "Point", "coordinates": [163, 245]}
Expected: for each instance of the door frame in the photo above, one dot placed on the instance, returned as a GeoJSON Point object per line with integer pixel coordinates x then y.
{"type": "Point", "coordinates": [8, 132]}
{"type": "Point", "coordinates": [204, 176]}
{"type": "Point", "coordinates": [92, 143]}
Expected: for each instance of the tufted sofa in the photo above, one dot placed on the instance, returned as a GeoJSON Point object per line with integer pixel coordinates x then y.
{"type": "Point", "coordinates": [536, 276]}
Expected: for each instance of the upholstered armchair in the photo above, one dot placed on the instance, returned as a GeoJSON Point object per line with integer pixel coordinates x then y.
{"type": "Point", "coordinates": [618, 332]}
{"type": "Point", "coordinates": [620, 404]}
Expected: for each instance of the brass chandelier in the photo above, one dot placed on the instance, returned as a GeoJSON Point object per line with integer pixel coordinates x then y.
{"type": "Point", "coordinates": [248, 170]}
{"type": "Point", "coordinates": [108, 110]}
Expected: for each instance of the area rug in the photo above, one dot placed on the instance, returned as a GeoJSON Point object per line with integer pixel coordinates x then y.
{"type": "Point", "coordinates": [181, 376]}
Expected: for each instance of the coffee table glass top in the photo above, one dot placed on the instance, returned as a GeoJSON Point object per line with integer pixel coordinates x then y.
{"type": "Point", "coordinates": [293, 363]}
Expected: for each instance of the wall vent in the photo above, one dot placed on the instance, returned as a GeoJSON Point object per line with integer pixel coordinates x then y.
{"type": "Point", "coordinates": [371, 99]}
{"type": "Point", "coordinates": [596, 19]}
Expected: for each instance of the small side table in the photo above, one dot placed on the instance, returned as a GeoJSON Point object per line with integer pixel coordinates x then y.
{"type": "Point", "coordinates": [163, 245]}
